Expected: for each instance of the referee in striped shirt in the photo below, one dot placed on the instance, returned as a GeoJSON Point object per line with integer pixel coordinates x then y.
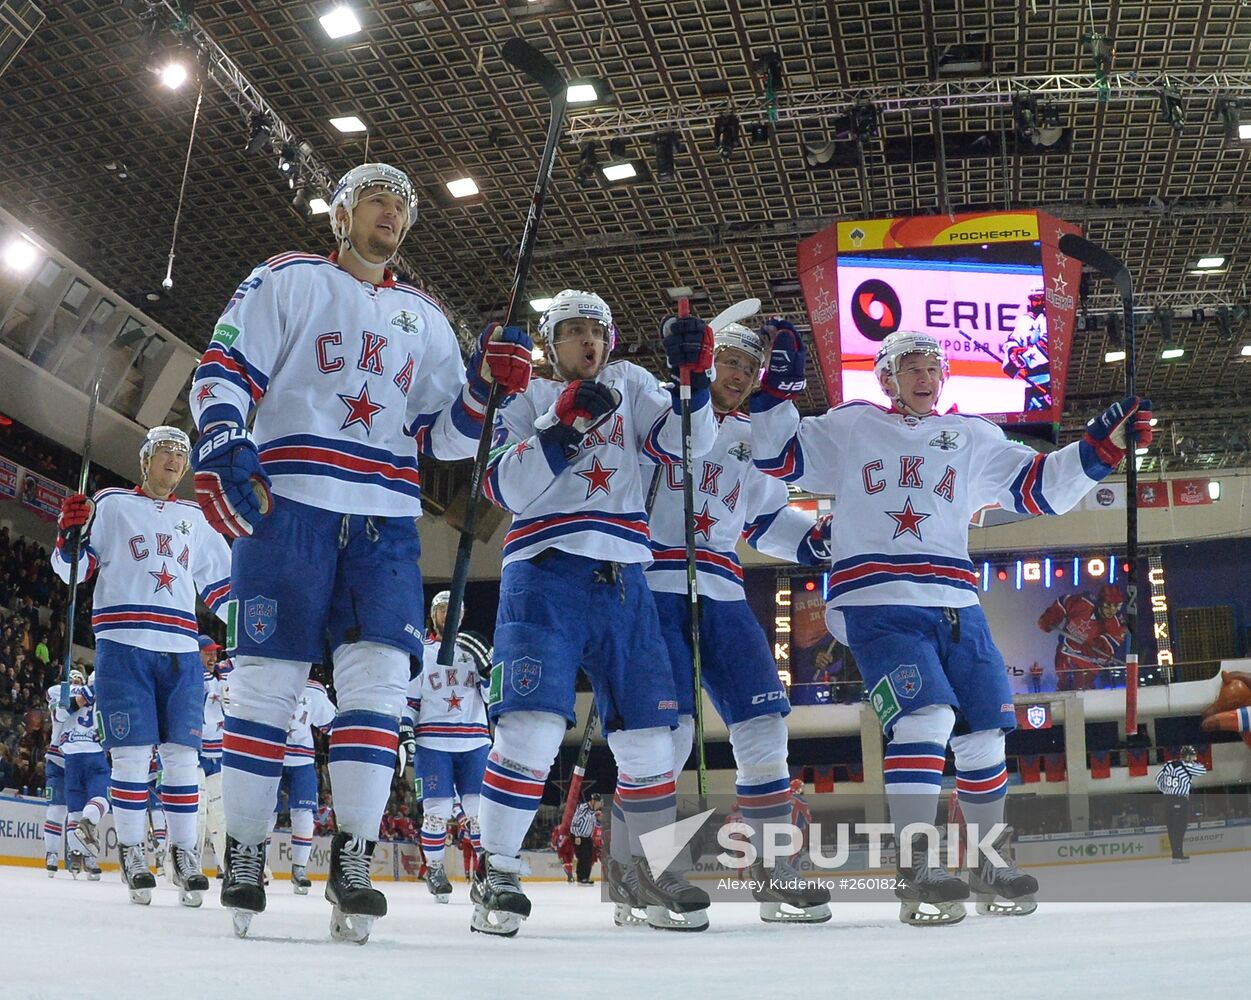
{"type": "Point", "coordinates": [582, 829]}
{"type": "Point", "coordinates": [1173, 781]}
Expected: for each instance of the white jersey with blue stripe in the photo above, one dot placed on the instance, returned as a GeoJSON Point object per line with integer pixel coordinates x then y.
{"type": "Point", "coordinates": [151, 559]}
{"type": "Point", "coordinates": [593, 506]}
{"type": "Point", "coordinates": [347, 381]}
{"type": "Point", "coordinates": [313, 709]}
{"type": "Point", "coordinates": [80, 732]}
{"type": "Point", "coordinates": [905, 490]}
{"type": "Point", "coordinates": [732, 498]}
{"type": "Point", "coordinates": [214, 710]}
{"type": "Point", "coordinates": [446, 707]}
{"type": "Point", "coordinates": [59, 721]}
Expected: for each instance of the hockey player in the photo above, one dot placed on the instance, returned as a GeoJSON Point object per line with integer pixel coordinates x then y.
{"type": "Point", "coordinates": [314, 710]}
{"type": "Point", "coordinates": [211, 817]}
{"type": "Point", "coordinates": [152, 554]}
{"type": "Point", "coordinates": [734, 499]}
{"type": "Point", "coordinates": [349, 374]}
{"type": "Point", "coordinates": [1026, 354]}
{"type": "Point", "coordinates": [86, 779]}
{"type": "Point", "coordinates": [902, 592]}
{"type": "Point", "coordinates": [572, 592]}
{"type": "Point", "coordinates": [54, 776]}
{"type": "Point", "coordinates": [445, 727]}
{"type": "Point", "coordinates": [1091, 633]}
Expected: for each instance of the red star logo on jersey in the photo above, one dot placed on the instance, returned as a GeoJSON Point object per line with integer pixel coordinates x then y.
{"type": "Point", "coordinates": [453, 702]}
{"type": "Point", "coordinates": [597, 478]}
{"type": "Point", "coordinates": [164, 579]}
{"type": "Point", "coordinates": [907, 521]}
{"type": "Point", "coordinates": [206, 392]}
{"type": "Point", "coordinates": [522, 448]}
{"type": "Point", "coordinates": [704, 522]}
{"type": "Point", "coordinates": [361, 409]}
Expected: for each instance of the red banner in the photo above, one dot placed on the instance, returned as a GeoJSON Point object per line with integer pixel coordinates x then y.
{"type": "Point", "coordinates": [8, 479]}
{"type": "Point", "coordinates": [1101, 764]}
{"type": "Point", "coordinates": [1190, 492]}
{"type": "Point", "coordinates": [1030, 768]}
{"type": "Point", "coordinates": [1153, 494]}
{"type": "Point", "coordinates": [1055, 767]}
{"type": "Point", "coordinates": [1033, 716]}
{"type": "Point", "coordinates": [1138, 762]}
{"type": "Point", "coordinates": [43, 496]}
{"type": "Point", "coordinates": [823, 779]}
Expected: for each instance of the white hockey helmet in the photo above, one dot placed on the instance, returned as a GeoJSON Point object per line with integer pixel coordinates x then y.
{"type": "Point", "coordinates": [739, 337]}
{"type": "Point", "coordinates": [1037, 300]}
{"type": "Point", "coordinates": [572, 304]}
{"type": "Point", "coordinates": [360, 179]}
{"type": "Point", "coordinates": [162, 434]}
{"type": "Point", "coordinates": [441, 599]}
{"type": "Point", "coordinates": [902, 343]}
{"type": "Point", "coordinates": [76, 677]}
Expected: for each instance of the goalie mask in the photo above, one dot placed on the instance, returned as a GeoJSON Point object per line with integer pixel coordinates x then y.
{"type": "Point", "coordinates": [360, 179]}
{"type": "Point", "coordinates": [574, 304]}
{"type": "Point", "coordinates": [162, 435]}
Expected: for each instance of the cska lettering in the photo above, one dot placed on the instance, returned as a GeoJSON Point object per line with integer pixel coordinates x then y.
{"type": "Point", "coordinates": [163, 545]}
{"type": "Point", "coordinates": [615, 436]}
{"type": "Point", "coordinates": [372, 346]}
{"type": "Point", "coordinates": [371, 353]}
{"type": "Point", "coordinates": [135, 547]}
{"type": "Point", "coordinates": [909, 477]}
{"type": "Point", "coordinates": [405, 378]}
{"type": "Point", "coordinates": [709, 481]}
{"type": "Point", "coordinates": [712, 473]}
{"type": "Point", "coordinates": [325, 363]}
{"type": "Point", "coordinates": [184, 557]}
{"type": "Point", "coordinates": [449, 678]}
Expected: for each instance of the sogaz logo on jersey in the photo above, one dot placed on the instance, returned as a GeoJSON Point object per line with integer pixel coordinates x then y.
{"type": "Point", "coordinates": [408, 321]}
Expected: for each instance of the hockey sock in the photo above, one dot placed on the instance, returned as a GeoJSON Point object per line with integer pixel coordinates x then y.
{"type": "Point", "coordinates": [128, 791]}
{"type": "Point", "coordinates": [54, 830]}
{"type": "Point", "coordinates": [433, 838]}
{"type": "Point", "coordinates": [914, 775]}
{"type": "Point", "coordinates": [96, 809]}
{"type": "Point", "coordinates": [363, 749]}
{"type": "Point", "coordinates": [981, 778]}
{"type": "Point", "coordinates": [180, 793]}
{"type": "Point", "coordinates": [620, 846]}
{"type": "Point", "coordinates": [526, 743]}
{"type": "Point", "coordinates": [252, 754]}
{"type": "Point", "coordinates": [301, 836]}
{"type": "Point", "coordinates": [71, 835]}
{"type": "Point", "coordinates": [645, 784]}
{"type": "Point", "coordinates": [470, 805]}
{"type": "Point", "coordinates": [763, 781]}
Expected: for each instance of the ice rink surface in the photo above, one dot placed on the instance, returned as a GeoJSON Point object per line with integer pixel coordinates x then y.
{"type": "Point", "coordinates": [60, 937]}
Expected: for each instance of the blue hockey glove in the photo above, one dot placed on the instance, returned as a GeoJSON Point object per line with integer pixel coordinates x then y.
{"type": "Point", "coordinates": [230, 485]}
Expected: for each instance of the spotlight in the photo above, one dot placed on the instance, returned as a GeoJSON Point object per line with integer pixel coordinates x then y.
{"type": "Point", "coordinates": [1039, 126]}
{"type": "Point", "coordinates": [588, 165]}
{"type": "Point", "coordinates": [300, 201]}
{"type": "Point", "coordinates": [726, 134]}
{"type": "Point", "coordinates": [262, 133]}
{"type": "Point", "coordinates": [864, 123]}
{"type": "Point", "coordinates": [289, 164]}
{"type": "Point", "coordinates": [1224, 323]}
{"type": "Point", "coordinates": [619, 166]}
{"type": "Point", "coordinates": [1237, 121]}
{"type": "Point", "coordinates": [20, 254]}
{"type": "Point", "coordinates": [1172, 109]}
{"type": "Point", "coordinates": [760, 133]}
{"type": "Point", "coordinates": [666, 146]}
{"type": "Point", "coordinates": [820, 152]}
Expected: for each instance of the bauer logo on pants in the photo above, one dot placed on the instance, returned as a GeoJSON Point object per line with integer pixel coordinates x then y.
{"type": "Point", "coordinates": [260, 618]}
{"type": "Point", "coordinates": [524, 675]}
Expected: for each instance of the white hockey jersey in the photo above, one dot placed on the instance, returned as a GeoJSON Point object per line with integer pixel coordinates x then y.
{"type": "Point", "coordinates": [905, 490]}
{"type": "Point", "coordinates": [348, 381]}
{"type": "Point", "coordinates": [594, 506]}
{"type": "Point", "coordinates": [313, 709]}
{"type": "Point", "coordinates": [1030, 333]}
{"type": "Point", "coordinates": [80, 732]}
{"type": "Point", "coordinates": [447, 705]}
{"type": "Point", "coordinates": [214, 710]}
{"type": "Point", "coordinates": [732, 498]}
{"type": "Point", "coordinates": [152, 558]}
{"type": "Point", "coordinates": [59, 719]}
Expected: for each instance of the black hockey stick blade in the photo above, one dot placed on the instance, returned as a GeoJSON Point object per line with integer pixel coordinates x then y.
{"type": "Point", "coordinates": [1110, 267]}
{"type": "Point", "coordinates": [525, 57]}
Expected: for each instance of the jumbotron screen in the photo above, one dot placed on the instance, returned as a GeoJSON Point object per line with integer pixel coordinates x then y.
{"type": "Point", "coordinates": [989, 287]}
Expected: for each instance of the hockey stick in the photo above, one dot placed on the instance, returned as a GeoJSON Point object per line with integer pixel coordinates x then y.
{"type": "Point", "coordinates": [1116, 272]}
{"type": "Point", "coordinates": [77, 541]}
{"type": "Point", "coordinates": [524, 57]}
{"type": "Point", "coordinates": [579, 769]}
{"type": "Point", "coordinates": [692, 575]}
{"type": "Point", "coordinates": [736, 313]}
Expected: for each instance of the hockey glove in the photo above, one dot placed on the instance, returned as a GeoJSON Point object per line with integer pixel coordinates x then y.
{"type": "Point", "coordinates": [579, 409]}
{"type": "Point", "coordinates": [784, 376]}
{"type": "Point", "coordinates": [77, 510]}
{"type": "Point", "coordinates": [479, 651]}
{"type": "Point", "coordinates": [230, 485]}
{"type": "Point", "coordinates": [1015, 361]}
{"type": "Point", "coordinates": [815, 549]}
{"type": "Point", "coordinates": [407, 748]}
{"type": "Point", "coordinates": [688, 348]}
{"type": "Point", "coordinates": [1106, 433]}
{"type": "Point", "coordinates": [503, 356]}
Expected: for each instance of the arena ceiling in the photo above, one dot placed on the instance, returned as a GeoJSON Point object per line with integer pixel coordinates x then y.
{"type": "Point", "coordinates": [80, 107]}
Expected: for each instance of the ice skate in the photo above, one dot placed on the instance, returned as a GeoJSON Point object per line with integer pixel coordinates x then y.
{"type": "Point", "coordinates": [74, 864]}
{"type": "Point", "coordinates": [787, 897]}
{"type": "Point", "coordinates": [629, 910]}
{"type": "Point", "coordinates": [673, 904]}
{"type": "Point", "coordinates": [191, 883]}
{"type": "Point", "coordinates": [357, 904]}
{"type": "Point", "coordinates": [92, 868]}
{"type": "Point", "coordinates": [1003, 891]}
{"type": "Point", "coordinates": [436, 881]}
{"type": "Point", "coordinates": [51, 861]}
{"type": "Point", "coordinates": [138, 879]}
{"type": "Point", "coordinates": [503, 905]}
{"type": "Point", "coordinates": [300, 883]}
{"type": "Point", "coordinates": [242, 891]}
{"type": "Point", "coordinates": [929, 895]}
{"type": "Point", "coordinates": [88, 835]}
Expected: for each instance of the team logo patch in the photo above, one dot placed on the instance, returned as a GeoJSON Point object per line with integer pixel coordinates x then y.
{"type": "Point", "coordinates": [946, 441]}
{"type": "Point", "coordinates": [119, 725]}
{"type": "Point", "coordinates": [183, 527]}
{"type": "Point", "coordinates": [408, 321]}
{"type": "Point", "coordinates": [1036, 716]}
{"type": "Point", "coordinates": [905, 679]}
{"type": "Point", "coordinates": [1105, 497]}
{"type": "Point", "coordinates": [524, 675]}
{"type": "Point", "coordinates": [742, 451]}
{"type": "Point", "coordinates": [260, 618]}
